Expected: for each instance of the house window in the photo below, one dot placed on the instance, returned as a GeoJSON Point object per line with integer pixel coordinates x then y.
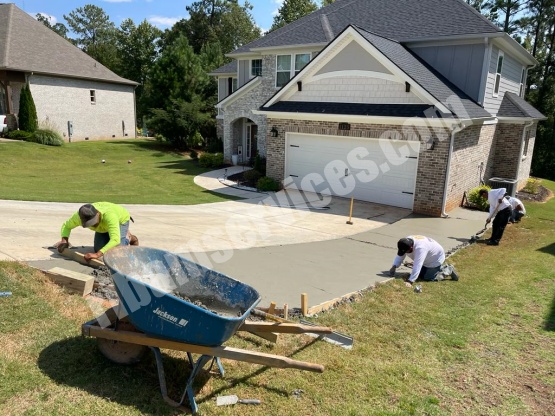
{"type": "Point", "coordinates": [287, 66]}
{"type": "Point", "coordinates": [256, 67]}
{"type": "Point", "coordinates": [93, 97]}
{"type": "Point", "coordinates": [234, 85]}
{"type": "Point", "coordinates": [522, 82]}
{"type": "Point", "coordinates": [498, 73]}
{"type": "Point", "coordinates": [231, 86]}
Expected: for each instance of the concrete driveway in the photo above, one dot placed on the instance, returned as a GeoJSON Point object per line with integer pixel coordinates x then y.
{"type": "Point", "coordinates": [282, 244]}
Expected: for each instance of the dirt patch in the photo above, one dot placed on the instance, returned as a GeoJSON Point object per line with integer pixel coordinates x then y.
{"type": "Point", "coordinates": [542, 195]}
{"type": "Point", "coordinates": [240, 179]}
{"type": "Point", "coordinates": [103, 284]}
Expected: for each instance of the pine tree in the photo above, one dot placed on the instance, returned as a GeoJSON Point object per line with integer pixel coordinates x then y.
{"type": "Point", "coordinates": [27, 115]}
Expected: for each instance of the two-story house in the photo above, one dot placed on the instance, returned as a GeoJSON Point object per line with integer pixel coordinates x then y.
{"type": "Point", "coordinates": [72, 92]}
{"type": "Point", "coordinates": [407, 103]}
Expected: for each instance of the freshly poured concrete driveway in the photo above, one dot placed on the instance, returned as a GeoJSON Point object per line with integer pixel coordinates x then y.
{"type": "Point", "coordinates": [283, 244]}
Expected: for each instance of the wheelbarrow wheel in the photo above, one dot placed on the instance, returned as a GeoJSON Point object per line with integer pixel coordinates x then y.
{"type": "Point", "coordinates": [122, 352]}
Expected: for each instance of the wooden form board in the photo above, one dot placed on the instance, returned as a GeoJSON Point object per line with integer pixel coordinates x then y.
{"type": "Point", "coordinates": [75, 282]}
{"type": "Point", "coordinates": [80, 258]}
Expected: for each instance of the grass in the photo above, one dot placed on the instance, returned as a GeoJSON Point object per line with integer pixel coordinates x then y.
{"type": "Point", "coordinates": [156, 175]}
{"type": "Point", "coordinates": [480, 346]}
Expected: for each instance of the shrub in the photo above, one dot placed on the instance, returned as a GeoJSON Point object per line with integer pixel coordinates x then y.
{"type": "Point", "coordinates": [27, 115]}
{"type": "Point", "coordinates": [532, 185]}
{"type": "Point", "coordinates": [193, 154]}
{"type": "Point", "coordinates": [195, 141]}
{"type": "Point", "coordinates": [47, 137]}
{"type": "Point", "coordinates": [19, 135]}
{"type": "Point", "coordinates": [252, 176]}
{"type": "Point", "coordinates": [211, 160]}
{"type": "Point", "coordinates": [159, 138]}
{"type": "Point", "coordinates": [267, 184]}
{"type": "Point", "coordinates": [259, 164]}
{"type": "Point", "coordinates": [475, 200]}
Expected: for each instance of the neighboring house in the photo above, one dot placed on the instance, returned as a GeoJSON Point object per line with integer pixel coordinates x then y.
{"type": "Point", "coordinates": [405, 103]}
{"type": "Point", "coordinates": [68, 86]}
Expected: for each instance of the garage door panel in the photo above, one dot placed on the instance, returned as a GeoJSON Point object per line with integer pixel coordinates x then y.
{"type": "Point", "coordinates": [321, 164]}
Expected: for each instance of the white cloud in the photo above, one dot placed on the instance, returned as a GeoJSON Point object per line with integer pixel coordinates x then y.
{"type": "Point", "coordinates": [51, 19]}
{"type": "Point", "coordinates": [279, 4]}
{"type": "Point", "coordinates": [163, 21]}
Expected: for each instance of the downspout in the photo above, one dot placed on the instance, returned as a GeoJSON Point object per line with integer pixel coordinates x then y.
{"type": "Point", "coordinates": [526, 126]}
{"type": "Point", "coordinates": [454, 130]}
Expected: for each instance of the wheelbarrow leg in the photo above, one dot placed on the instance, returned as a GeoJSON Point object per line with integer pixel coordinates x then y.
{"type": "Point", "coordinates": [196, 367]}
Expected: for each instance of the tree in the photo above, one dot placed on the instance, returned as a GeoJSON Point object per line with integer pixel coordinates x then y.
{"type": "Point", "coordinates": [59, 28]}
{"type": "Point", "coordinates": [327, 2]}
{"type": "Point", "coordinates": [292, 10]}
{"type": "Point", "coordinates": [27, 116]}
{"type": "Point", "coordinates": [216, 21]}
{"type": "Point", "coordinates": [96, 34]}
{"type": "Point", "coordinates": [505, 12]}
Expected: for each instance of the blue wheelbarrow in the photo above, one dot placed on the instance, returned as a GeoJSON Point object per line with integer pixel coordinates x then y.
{"type": "Point", "coordinates": [167, 301]}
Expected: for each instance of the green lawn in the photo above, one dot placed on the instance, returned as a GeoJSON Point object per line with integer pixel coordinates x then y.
{"type": "Point", "coordinates": [74, 173]}
{"type": "Point", "coordinates": [481, 346]}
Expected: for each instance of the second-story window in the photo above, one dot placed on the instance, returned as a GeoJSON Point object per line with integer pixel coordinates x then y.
{"type": "Point", "coordinates": [256, 67]}
{"type": "Point", "coordinates": [522, 82]}
{"type": "Point", "coordinates": [287, 66]}
{"type": "Point", "coordinates": [498, 73]}
{"type": "Point", "coordinates": [93, 96]}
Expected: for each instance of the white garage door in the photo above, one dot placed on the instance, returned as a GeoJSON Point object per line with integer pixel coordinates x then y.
{"type": "Point", "coordinates": [373, 170]}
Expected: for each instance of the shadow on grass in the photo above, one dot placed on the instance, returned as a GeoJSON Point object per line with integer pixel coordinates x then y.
{"type": "Point", "coordinates": [550, 321]}
{"type": "Point", "coordinates": [549, 249]}
{"type": "Point", "coordinates": [78, 363]}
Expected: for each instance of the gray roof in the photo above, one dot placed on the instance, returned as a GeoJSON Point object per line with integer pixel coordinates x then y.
{"type": "Point", "coordinates": [402, 20]}
{"type": "Point", "coordinates": [29, 46]}
{"type": "Point", "coordinates": [437, 85]}
{"type": "Point", "coordinates": [229, 68]}
{"type": "Point", "coordinates": [515, 106]}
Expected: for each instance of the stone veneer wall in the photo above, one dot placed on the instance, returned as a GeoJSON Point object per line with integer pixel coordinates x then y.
{"type": "Point", "coordinates": [431, 165]}
{"type": "Point", "coordinates": [242, 108]}
{"type": "Point", "coordinates": [473, 146]}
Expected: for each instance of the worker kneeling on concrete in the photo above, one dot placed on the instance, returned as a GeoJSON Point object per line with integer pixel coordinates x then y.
{"type": "Point", "coordinates": [428, 257]}
{"type": "Point", "coordinates": [110, 222]}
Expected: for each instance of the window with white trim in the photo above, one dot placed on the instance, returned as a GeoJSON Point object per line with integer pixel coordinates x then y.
{"type": "Point", "coordinates": [287, 66]}
{"type": "Point", "coordinates": [499, 69]}
{"type": "Point", "coordinates": [256, 67]}
{"type": "Point", "coordinates": [522, 82]}
{"type": "Point", "coordinates": [93, 96]}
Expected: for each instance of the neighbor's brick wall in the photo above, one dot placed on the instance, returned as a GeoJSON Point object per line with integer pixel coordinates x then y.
{"type": "Point", "coordinates": [60, 100]}
{"type": "Point", "coordinates": [431, 164]}
{"type": "Point", "coordinates": [473, 146]}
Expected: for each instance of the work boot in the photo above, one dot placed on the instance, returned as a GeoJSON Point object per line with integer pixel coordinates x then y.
{"type": "Point", "coordinates": [133, 240]}
{"type": "Point", "coordinates": [454, 275]}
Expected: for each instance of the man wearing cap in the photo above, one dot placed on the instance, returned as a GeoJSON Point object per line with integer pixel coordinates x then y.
{"type": "Point", "coordinates": [428, 257]}
{"type": "Point", "coordinates": [110, 222]}
{"type": "Point", "coordinates": [499, 210]}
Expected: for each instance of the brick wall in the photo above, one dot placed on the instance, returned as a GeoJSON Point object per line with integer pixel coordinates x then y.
{"type": "Point", "coordinates": [508, 138]}
{"type": "Point", "coordinates": [431, 166]}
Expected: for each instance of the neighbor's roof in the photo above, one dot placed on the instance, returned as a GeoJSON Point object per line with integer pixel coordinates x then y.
{"type": "Point", "coordinates": [402, 20]}
{"type": "Point", "coordinates": [515, 106]}
{"type": "Point", "coordinates": [29, 46]}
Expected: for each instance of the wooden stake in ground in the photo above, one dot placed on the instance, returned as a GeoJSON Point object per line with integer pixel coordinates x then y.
{"type": "Point", "coordinates": [351, 212]}
{"type": "Point", "coordinates": [304, 304]}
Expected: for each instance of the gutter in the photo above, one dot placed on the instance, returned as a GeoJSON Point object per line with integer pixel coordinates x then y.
{"type": "Point", "coordinates": [454, 130]}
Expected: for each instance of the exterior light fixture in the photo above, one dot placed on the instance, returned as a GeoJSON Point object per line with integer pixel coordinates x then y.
{"type": "Point", "coordinates": [274, 132]}
{"type": "Point", "coordinates": [344, 126]}
{"type": "Point", "coordinates": [430, 144]}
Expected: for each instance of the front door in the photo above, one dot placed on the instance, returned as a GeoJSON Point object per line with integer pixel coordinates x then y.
{"type": "Point", "coordinates": [251, 140]}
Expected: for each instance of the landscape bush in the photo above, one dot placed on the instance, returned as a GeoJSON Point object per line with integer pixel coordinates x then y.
{"type": "Point", "coordinates": [211, 160]}
{"type": "Point", "coordinates": [267, 184]}
{"type": "Point", "coordinates": [19, 135]}
{"type": "Point", "coordinates": [475, 200]}
{"type": "Point", "coordinates": [259, 164]}
{"type": "Point", "coordinates": [46, 137]}
{"type": "Point", "coordinates": [27, 116]}
{"type": "Point", "coordinates": [532, 186]}
{"type": "Point", "coordinates": [252, 176]}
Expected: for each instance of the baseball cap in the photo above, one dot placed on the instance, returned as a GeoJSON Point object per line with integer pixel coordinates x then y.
{"type": "Point", "coordinates": [89, 215]}
{"type": "Point", "coordinates": [404, 245]}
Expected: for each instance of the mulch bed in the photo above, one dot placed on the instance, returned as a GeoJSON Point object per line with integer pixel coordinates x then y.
{"type": "Point", "coordinates": [542, 195]}
{"type": "Point", "coordinates": [240, 179]}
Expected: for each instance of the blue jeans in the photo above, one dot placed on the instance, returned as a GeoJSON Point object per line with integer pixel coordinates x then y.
{"type": "Point", "coordinates": [516, 215]}
{"type": "Point", "coordinates": [101, 239]}
{"type": "Point", "coordinates": [428, 274]}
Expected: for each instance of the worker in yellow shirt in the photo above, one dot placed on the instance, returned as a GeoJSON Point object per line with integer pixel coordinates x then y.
{"type": "Point", "coordinates": [110, 222]}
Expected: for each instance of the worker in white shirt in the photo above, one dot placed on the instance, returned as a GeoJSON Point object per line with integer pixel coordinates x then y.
{"type": "Point", "coordinates": [428, 257]}
{"type": "Point", "coordinates": [499, 210]}
{"type": "Point", "coordinates": [518, 208]}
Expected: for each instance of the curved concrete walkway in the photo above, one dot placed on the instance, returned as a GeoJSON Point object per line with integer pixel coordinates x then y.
{"type": "Point", "coordinates": [283, 244]}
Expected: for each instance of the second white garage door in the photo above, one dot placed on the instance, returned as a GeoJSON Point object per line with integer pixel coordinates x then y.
{"type": "Point", "coordinates": [373, 170]}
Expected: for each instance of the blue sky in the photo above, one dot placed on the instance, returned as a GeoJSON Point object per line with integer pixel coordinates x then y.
{"type": "Point", "coordinates": [161, 13]}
